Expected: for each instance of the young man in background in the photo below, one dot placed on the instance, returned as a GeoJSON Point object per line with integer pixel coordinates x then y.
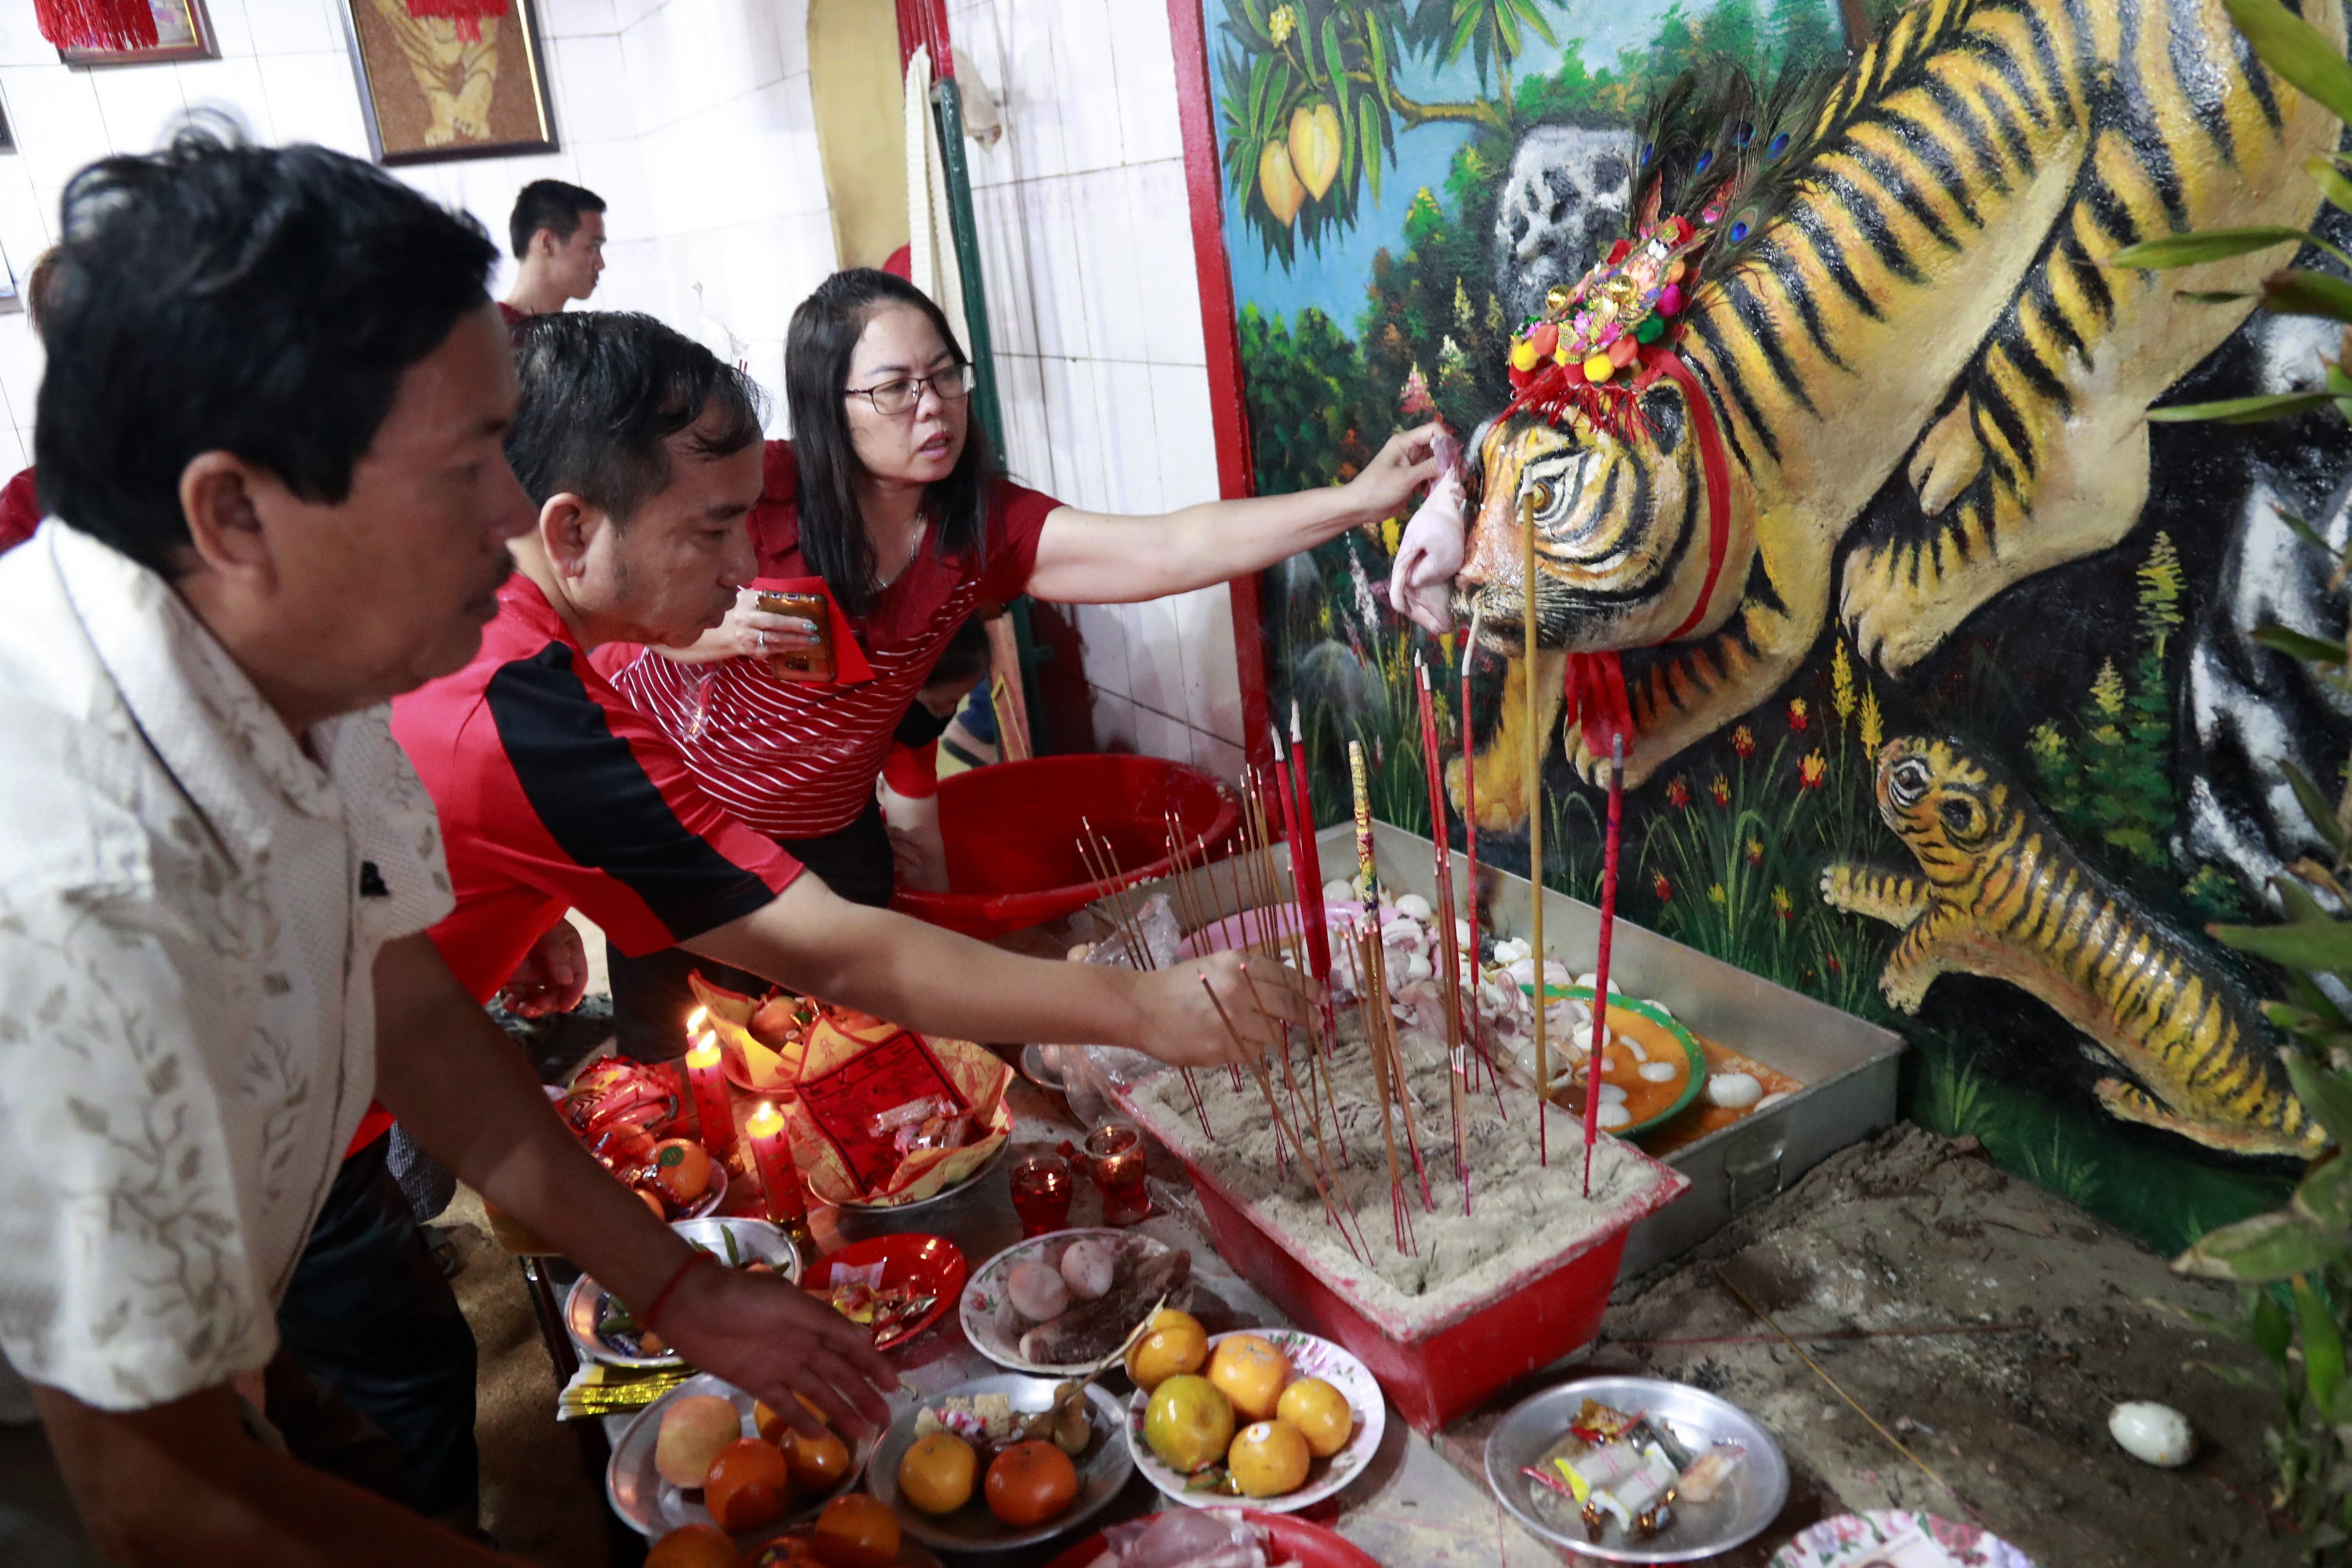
{"type": "Point", "coordinates": [558, 234]}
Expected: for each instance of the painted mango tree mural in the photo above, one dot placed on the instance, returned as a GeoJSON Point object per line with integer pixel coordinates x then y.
{"type": "Point", "coordinates": [1984, 653]}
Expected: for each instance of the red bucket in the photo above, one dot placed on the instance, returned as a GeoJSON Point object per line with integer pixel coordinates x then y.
{"type": "Point", "coordinates": [1012, 830]}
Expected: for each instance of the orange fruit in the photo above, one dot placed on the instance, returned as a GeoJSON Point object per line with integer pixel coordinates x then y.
{"type": "Point", "coordinates": [1177, 1343]}
{"type": "Point", "coordinates": [937, 1472]}
{"type": "Point", "coordinates": [1268, 1459]}
{"type": "Point", "coordinates": [1029, 1483]}
{"type": "Point", "coordinates": [1187, 1423]}
{"type": "Point", "coordinates": [772, 1427]}
{"type": "Point", "coordinates": [1321, 1413]}
{"type": "Point", "coordinates": [748, 1485]}
{"type": "Point", "coordinates": [693, 1430]}
{"type": "Point", "coordinates": [694, 1546]}
{"type": "Point", "coordinates": [856, 1530]}
{"type": "Point", "coordinates": [818, 1464]}
{"type": "Point", "coordinates": [681, 1169]}
{"type": "Point", "coordinates": [653, 1200]}
{"type": "Point", "coordinates": [1250, 1373]}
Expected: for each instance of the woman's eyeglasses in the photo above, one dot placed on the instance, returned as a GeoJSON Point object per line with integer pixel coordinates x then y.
{"type": "Point", "coordinates": [893, 398]}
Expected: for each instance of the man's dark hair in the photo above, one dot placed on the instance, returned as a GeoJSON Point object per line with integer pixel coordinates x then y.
{"type": "Point", "coordinates": [964, 658]}
{"type": "Point", "coordinates": [218, 297]}
{"type": "Point", "coordinates": [818, 347]}
{"type": "Point", "coordinates": [603, 391]}
{"type": "Point", "coordinates": [552, 205]}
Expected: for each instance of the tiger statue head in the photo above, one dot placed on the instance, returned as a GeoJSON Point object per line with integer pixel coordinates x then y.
{"type": "Point", "coordinates": [1956, 813]}
{"type": "Point", "coordinates": [1620, 530]}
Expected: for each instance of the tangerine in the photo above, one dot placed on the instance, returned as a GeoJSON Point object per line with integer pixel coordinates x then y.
{"type": "Point", "coordinates": [856, 1530]}
{"type": "Point", "coordinates": [1321, 1413]}
{"type": "Point", "coordinates": [772, 1426]}
{"type": "Point", "coordinates": [1175, 1343]}
{"type": "Point", "coordinates": [681, 1169]}
{"type": "Point", "coordinates": [1187, 1423]}
{"type": "Point", "coordinates": [937, 1472]}
{"type": "Point", "coordinates": [694, 1546]}
{"type": "Point", "coordinates": [818, 1464]}
{"type": "Point", "coordinates": [749, 1486]}
{"type": "Point", "coordinates": [1029, 1483]}
{"type": "Point", "coordinates": [1268, 1459]}
{"type": "Point", "coordinates": [1250, 1372]}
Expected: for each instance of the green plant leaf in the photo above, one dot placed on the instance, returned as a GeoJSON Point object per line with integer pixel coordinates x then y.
{"type": "Point", "coordinates": [2242, 410]}
{"type": "Point", "coordinates": [2316, 806]}
{"type": "Point", "coordinates": [2331, 181]}
{"type": "Point", "coordinates": [2322, 945]}
{"type": "Point", "coordinates": [2196, 248]}
{"type": "Point", "coordinates": [2323, 1346]}
{"type": "Point", "coordinates": [2267, 1248]}
{"type": "Point", "coordinates": [1375, 44]}
{"type": "Point", "coordinates": [2322, 1093]}
{"type": "Point", "coordinates": [1332, 59]}
{"type": "Point", "coordinates": [2211, 295]}
{"type": "Point", "coordinates": [2303, 529]}
{"type": "Point", "coordinates": [2295, 48]}
{"type": "Point", "coordinates": [2268, 1326]}
{"type": "Point", "coordinates": [2324, 1196]}
{"type": "Point", "coordinates": [2298, 291]}
{"type": "Point", "coordinates": [2236, 1377]}
{"type": "Point", "coordinates": [1371, 154]}
{"type": "Point", "coordinates": [2299, 644]}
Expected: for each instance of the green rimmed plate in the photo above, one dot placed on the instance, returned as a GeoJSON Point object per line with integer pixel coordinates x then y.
{"type": "Point", "coordinates": [1652, 1013]}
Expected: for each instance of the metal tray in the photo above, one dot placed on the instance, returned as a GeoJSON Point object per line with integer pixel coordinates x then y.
{"type": "Point", "coordinates": [1755, 1492]}
{"type": "Point", "coordinates": [1102, 1469]}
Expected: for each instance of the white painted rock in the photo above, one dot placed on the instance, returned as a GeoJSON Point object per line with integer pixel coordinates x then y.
{"type": "Point", "coordinates": [1512, 949]}
{"type": "Point", "coordinates": [1414, 905]}
{"type": "Point", "coordinates": [2152, 1433]}
{"type": "Point", "coordinates": [1613, 1116]}
{"type": "Point", "coordinates": [1655, 1072]}
{"type": "Point", "coordinates": [1339, 892]}
{"type": "Point", "coordinates": [1733, 1090]}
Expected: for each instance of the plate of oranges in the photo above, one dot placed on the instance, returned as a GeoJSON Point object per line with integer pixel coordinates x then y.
{"type": "Point", "coordinates": [708, 1453]}
{"type": "Point", "coordinates": [1274, 1416]}
{"type": "Point", "coordinates": [1002, 1462]}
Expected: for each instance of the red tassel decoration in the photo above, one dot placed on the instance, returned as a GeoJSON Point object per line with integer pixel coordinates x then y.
{"type": "Point", "coordinates": [112, 26]}
{"type": "Point", "coordinates": [469, 15]}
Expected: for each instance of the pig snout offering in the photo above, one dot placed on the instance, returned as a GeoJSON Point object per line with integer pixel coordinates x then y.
{"type": "Point", "coordinates": [1431, 550]}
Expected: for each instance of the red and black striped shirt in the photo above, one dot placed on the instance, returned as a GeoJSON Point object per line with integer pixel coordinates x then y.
{"type": "Point", "coordinates": [555, 794]}
{"type": "Point", "coordinates": [798, 759]}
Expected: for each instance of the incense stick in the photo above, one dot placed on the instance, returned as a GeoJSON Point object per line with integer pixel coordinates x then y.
{"type": "Point", "coordinates": [1449, 946]}
{"type": "Point", "coordinates": [1608, 930]}
{"type": "Point", "coordinates": [1536, 746]}
{"type": "Point", "coordinates": [1130, 931]}
{"type": "Point", "coordinates": [1266, 1086]}
{"type": "Point", "coordinates": [1476, 1023]}
{"type": "Point", "coordinates": [1323, 1153]}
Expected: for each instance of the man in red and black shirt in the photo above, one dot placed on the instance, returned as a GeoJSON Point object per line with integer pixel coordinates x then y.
{"type": "Point", "coordinates": [642, 453]}
{"type": "Point", "coordinates": [558, 234]}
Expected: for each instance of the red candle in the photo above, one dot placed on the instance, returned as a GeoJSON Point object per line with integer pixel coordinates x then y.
{"type": "Point", "coordinates": [1115, 1158]}
{"type": "Point", "coordinates": [1042, 1188]}
{"type": "Point", "coordinates": [771, 1151]}
{"type": "Point", "coordinates": [710, 1102]}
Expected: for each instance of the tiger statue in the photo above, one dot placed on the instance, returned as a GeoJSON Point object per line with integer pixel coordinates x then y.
{"type": "Point", "coordinates": [2001, 895]}
{"type": "Point", "coordinates": [1926, 291]}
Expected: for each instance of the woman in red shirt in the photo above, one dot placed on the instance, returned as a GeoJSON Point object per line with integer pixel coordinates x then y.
{"type": "Point", "coordinates": [889, 500]}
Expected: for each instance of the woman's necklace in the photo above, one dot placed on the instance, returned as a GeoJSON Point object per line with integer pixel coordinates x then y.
{"type": "Point", "coordinates": [920, 526]}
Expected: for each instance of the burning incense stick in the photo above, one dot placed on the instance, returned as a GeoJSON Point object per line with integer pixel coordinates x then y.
{"type": "Point", "coordinates": [1376, 983]}
{"type": "Point", "coordinates": [1476, 1024]}
{"type": "Point", "coordinates": [1536, 748]}
{"type": "Point", "coordinates": [1366, 957]}
{"type": "Point", "coordinates": [1323, 1153]}
{"type": "Point", "coordinates": [1130, 932]}
{"type": "Point", "coordinates": [1265, 1087]}
{"type": "Point", "coordinates": [1608, 930]}
{"type": "Point", "coordinates": [1449, 946]}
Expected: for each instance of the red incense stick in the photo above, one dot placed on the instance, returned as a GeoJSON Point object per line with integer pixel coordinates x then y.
{"type": "Point", "coordinates": [1601, 970]}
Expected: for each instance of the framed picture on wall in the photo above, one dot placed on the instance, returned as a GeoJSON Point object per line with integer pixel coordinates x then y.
{"type": "Point", "coordinates": [431, 88]}
{"type": "Point", "coordinates": [183, 32]}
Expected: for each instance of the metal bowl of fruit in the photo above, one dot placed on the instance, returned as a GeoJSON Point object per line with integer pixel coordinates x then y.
{"type": "Point", "coordinates": [601, 1328]}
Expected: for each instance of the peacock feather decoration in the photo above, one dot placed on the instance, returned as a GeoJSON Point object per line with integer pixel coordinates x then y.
{"type": "Point", "coordinates": [1717, 159]}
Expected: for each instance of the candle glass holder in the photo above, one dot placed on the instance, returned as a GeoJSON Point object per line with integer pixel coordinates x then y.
{"type": "Point", "coordinates": [1043, 1187]}
{"type": "Point", "coordinates": [1115, 1159]}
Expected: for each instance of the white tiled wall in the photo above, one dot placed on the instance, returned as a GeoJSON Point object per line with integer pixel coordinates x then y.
{"type": "Point", "coordinates": [1086, 247]}
{"type": "Point", "coordinates": [711, 96]}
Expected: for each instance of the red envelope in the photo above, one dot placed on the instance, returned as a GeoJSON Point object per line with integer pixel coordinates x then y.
{"type": "Point", "coordinates": [849, 665]}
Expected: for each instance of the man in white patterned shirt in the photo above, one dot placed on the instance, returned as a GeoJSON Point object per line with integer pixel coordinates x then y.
{"type": "Point", "coordinates": [269, 439]}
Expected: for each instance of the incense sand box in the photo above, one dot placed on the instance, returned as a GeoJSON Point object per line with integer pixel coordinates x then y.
{"type": "Point", "coordinates": [1522, 1213]}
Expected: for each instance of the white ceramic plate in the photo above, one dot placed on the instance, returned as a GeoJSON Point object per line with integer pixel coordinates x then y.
{"type": "Point", "coordinates": [1102, 1469]}
{"type": "Point", "coordinates": [995, 1158]}
{"type": "Point", "coordinates": [993, 1326]}
{"type": "Point", "coordinates": [584, 1305]}
{"type": "Point", "coordinates": [1310, 1356]}
{"type": "Point", "coordinates": [653, 1508]}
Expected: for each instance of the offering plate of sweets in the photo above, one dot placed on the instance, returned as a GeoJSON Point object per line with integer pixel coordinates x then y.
{"type": "Point", "coordinates": [1636, 1469]}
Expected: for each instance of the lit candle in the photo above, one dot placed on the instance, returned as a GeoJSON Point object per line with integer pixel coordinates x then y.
{"type": "Point", "coordinates": [710, 1096]}
{"type": "Point", "coordinates": [771, 1151]}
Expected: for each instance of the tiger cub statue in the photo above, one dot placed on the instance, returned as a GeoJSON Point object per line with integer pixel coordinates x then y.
{"type": "Point", "coordinates": [1922, 291]}
{"type": "Point", "coordinates": [2001, 895]}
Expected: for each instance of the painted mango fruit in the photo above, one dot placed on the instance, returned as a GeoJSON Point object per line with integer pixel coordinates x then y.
{"type": "Point", "coordinates": [1314, 146]}
{"type": "Point", "coordinates": [1278, 183]}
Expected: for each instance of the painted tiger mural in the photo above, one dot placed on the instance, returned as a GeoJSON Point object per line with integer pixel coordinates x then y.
{"type": "Point", "coordinates": [1929, 297]}
{"type": "Point", "coordinates": [2001, 895]}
